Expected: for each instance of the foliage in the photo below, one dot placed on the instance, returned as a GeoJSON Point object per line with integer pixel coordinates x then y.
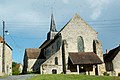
{"type": "Point", "coordinates": [106, 74]}
{"type": "Point", "coordinates": [14, 64]}
{"type": "Point", "coordinates": [31, 72]}
{"type": "Point", "coordinates": [62, 73]}
{"type": "Point", "coordinates": [15, 68]}
{"type": "Point", "coordinates": [72, 77]}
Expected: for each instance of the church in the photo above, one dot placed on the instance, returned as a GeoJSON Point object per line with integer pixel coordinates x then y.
{"type": "Point", "coordinates": [75, 49]}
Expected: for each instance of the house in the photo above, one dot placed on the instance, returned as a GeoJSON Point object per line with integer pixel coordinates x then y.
{"type": "Point", "coordinates": [6, 59]}
{"type": "Point", "coordinates": [74, 49]}
{"type": "Point", "coordinates": [30, 57]}
{"type": "Point", "coordinates": [112, 61]}
{"type": "Point", "coordinates": [20, 67]}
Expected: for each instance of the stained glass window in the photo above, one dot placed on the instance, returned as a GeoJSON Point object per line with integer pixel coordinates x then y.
{"type": "Point", "coordinates": [80, 44]}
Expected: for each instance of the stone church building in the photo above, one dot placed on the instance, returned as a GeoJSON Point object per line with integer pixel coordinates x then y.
{"type": "Point", "coordinates": [72, 50]}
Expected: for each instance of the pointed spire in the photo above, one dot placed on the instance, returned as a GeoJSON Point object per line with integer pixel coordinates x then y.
{"type": "Point", "coordinates": [52, 24]}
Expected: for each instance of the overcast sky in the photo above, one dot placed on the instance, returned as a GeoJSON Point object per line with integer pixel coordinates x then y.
{"type": "Point", "coordinates": [28, 21]}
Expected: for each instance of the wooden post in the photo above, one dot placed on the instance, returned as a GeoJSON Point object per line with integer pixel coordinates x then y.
{"type": "Point", "coordinates": [3, 52]}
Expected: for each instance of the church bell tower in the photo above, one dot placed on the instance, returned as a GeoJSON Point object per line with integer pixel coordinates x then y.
{"type": "Point", "coordinates": [53, 30]}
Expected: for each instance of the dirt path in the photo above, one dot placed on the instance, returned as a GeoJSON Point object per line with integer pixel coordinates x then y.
{"type": "Point", "coordinates": [18, 77]}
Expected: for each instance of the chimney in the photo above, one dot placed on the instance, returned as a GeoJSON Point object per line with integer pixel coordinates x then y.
{"type": "Point", "coordinates": [106, 51]}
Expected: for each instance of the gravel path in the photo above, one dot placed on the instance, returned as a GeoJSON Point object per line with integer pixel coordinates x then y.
{"type": "Point", "coordinates": [18, 77]}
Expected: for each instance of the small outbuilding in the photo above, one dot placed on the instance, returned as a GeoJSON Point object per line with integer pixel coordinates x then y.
{"type": "Point", "coordinates": [112, 61]}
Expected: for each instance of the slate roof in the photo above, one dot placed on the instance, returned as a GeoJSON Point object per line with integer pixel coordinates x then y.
{"type": "Point", "coordinates": [111, 54]}
{"type": "Point", "coordinates": [84, 58]}
{"type": "Point", "coordinates": [1, 41]}
{"type": "Point", "coordinates": [52, 24]}
{"type": "Point", "coordinates": [46, 43]}
{"type": "Point", "coordinates": [32, 53]}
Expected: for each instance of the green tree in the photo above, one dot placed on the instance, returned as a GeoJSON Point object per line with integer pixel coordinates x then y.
{"type": "Point", "coordinates": [15, 68]}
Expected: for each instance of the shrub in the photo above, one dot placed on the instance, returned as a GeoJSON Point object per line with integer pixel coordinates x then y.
{"type": "Point", "coordinates": [31, 72]}
{"type": "Point", "coordinates": [62, 73]}
{"type": "Point", "coordinates": [106, 74]}
{"type": "Point", "coordinates": [15, 68]}
{"type": "Point", "coordinates": [15, 73]}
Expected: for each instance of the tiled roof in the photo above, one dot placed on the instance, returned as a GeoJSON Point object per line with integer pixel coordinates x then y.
{"type": "Point", "coordinates": [32, 53]}
{"type": "Point", "coordinates": [1, 39]}
{"type": "Point", "coordinates": [111, 54]}
{"type": "Point", "coordinates": [84, 58]}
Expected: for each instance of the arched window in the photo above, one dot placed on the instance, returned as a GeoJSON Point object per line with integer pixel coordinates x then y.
{"type": "Point", "coordinates": [94, 46]}
{"type": "Point", "coordinates": [54, 71]}
{"type": "Point", "coordinates": [80, 44]}
{"type": "Point", "coordinates": [56, 60]}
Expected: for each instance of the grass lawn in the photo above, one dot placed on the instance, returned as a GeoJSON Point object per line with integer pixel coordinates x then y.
{"type": "Point", "coordinates": [72, 77]}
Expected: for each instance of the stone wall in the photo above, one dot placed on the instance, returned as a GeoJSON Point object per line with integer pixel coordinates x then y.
{"type": "Point", "coordinates": [75, 28]}
{"type": "Point", "coordinates": [8, 60]}
{"type": "Point", "coordinates": [97, 47]}
{"type": "Point", "coordinates": [116, 64]}
{"type": "Point", "coordinates": [1, 59]}
{"type": "Point", "coordinates": [51, 52]}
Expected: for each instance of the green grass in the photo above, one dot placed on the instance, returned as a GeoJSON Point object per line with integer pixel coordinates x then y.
{"type": "Point", "coordinates": [72, 77]}
{"type": "Point", "coordinates": [2, 77]}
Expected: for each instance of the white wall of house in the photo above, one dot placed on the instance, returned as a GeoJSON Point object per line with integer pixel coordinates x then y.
{"type": "Point", "coordinates": [116, 64]}
{"type": "Point", "coordinates": [8, 60]}
{"type": "Point", "coordinates": [31, 62]}
{"type": "Point", "coordinates": [20, 68]}
{"type": "Point", "coordinates": [1, 59]}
